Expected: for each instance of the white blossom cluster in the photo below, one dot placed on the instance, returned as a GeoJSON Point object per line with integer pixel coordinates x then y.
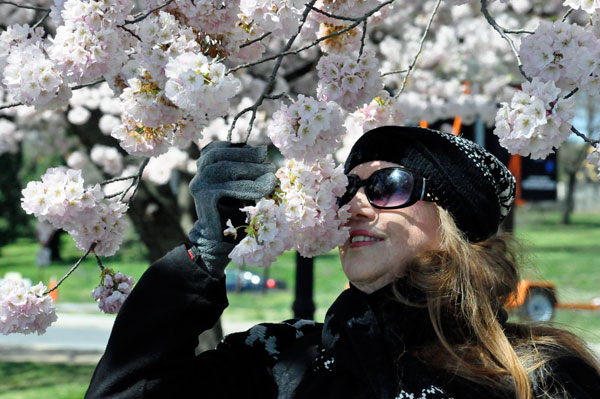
{"type": "Point", "coordinates": [381, 111]}
{"type": "Point", "coordinates": [588, 6]}
{"type": "Point", "coordinates": [564, 53]}
{"type": "Point", "coordinates": [61, 199]}
{"type": "Point", "coordinates": [108, 158]}
{"type": "Point", "coordinates": [347, 80]}
{"type": "Point", "coordinates": [221, 26]}
{"type": "Point", "coordinates": [160, 169]}
{"type": "Point", "coordinates": [172, 89]}
{"type": "Point", "coordinates": [10, 136]}
{"type": "Point", "coordinates": [199, 87]}
{"type": "Point", "coordinates": [535, 121]}
{"type": "Point", "coordinates": [280, 17]}
{"type": "Point", "coordinates": [303, 214]}
{"type": "Point", "coordinates": [28, 74]}
{"type": "Point", "coordinates": [23, 308]}
{"type": "Point", "coordinates": [88, 43]}
{"type": "Point", "coordinates": [310, 193]}
{"type": "Point", "coordinates": [267, 234]}
{"type": "Point", "coordinates": [307, 130]}
{"type": "Point", "coordinates": [114, 288]}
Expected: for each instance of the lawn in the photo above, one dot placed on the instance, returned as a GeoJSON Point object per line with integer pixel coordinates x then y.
{"type": "Point", "coordinates": [37, 381]}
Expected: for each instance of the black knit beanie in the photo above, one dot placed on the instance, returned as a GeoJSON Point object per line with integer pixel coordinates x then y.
{"type": "Point", "coordinates": [463, 178]}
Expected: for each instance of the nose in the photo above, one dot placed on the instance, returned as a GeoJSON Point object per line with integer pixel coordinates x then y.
{"type": "Point", "coordinates": [360, 208]}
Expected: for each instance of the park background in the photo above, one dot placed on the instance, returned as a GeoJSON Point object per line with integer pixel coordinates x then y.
{"type": "Point", "coordinates": [561, 238]}
{"type": "Point", "coordinates": [566, 254]}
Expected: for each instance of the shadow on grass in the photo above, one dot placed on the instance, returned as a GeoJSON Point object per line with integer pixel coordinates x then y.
{"type": "Point", "coordinates": [22, 376]}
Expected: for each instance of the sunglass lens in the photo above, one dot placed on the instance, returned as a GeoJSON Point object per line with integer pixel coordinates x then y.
{"type": "Point", "coordinates": [390, 187]}
{"type": "Point", "coordinates": [351, 189]}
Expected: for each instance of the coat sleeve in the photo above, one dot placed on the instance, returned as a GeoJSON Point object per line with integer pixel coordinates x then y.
{"type": "Point", "coordinates": [150, 353]}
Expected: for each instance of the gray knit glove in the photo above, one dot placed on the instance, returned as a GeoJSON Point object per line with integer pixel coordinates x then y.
{"type": "Point", "coordinates": [229, 176]}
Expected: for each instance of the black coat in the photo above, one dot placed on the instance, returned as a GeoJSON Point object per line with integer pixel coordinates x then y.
{"type": "Point", "coordinates": [361, 351]}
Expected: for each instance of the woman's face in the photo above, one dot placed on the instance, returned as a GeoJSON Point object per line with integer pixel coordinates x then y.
{"type": "Point", "coordinates": [400, 235]}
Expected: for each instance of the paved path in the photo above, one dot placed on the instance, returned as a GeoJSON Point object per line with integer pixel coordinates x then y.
{"type": "Point", "coordinates": [75, 337]}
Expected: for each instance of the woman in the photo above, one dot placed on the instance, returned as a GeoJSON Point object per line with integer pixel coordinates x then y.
{"type": "Point", "coordinates": [423, 317]}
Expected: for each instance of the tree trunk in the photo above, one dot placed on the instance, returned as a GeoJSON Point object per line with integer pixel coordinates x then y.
{"type": "Point", "coordinates": [569, 199]}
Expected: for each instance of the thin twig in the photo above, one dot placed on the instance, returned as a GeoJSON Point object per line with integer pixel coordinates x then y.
{"type": "Point", "coordinates": [584, 137]}
{"type": "Point", "coordinates": [315, 42]}
{"type": "Point", "coordinates": [258, 39]}
{"type": "Point", "coordinates": [502, 32]}
{"type": "Point", "coordinates": [113, 195]}
{"type": "Point", "coordinates": [132, 33]}
{"type": "Point", "coordinates": [41, 21]}
{"type": "Point", "coordinates": [519, 31]}
{"type": "Point", "coordinates": [75, 266]}
{"type": "Point", "coordinates": [271, 82]}
{"type": "Point", "coordinates": [99, 261]}
{"type": "Point", "coordinates": [25, 6]}
{"type": "Point", "coordinates": [145, 15]}
{"type": "Point", "coordinates": [414, 61]}
{"type": "Point", "coordinates": [136, 181]}
{"type": "Point", "coordinates": [10, 105]}
{"type": "Point", "coordinates": [278, 96]}
{"type": "Point", "coordinates": [101, 80]}
{"type": "Point", "coordinates": [567, 15]}
{"type": "Point", "coordinates": [362, 40]}
{"type": "Point", "coordinates": [394, 72]}
{"type": "Point", "coordinates": [342, 18]}
{"type": "Point", "coordinates": [116, 179]}
{"type": "Point", "coordinates": [575, 90]}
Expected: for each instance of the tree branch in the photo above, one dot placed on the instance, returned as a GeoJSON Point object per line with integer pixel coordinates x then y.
{"type": "Point", "coordinates": [25, 6]}
{"type": "Point", "coordinates": [41, 21]}
{"type": "Point", "coordinates": [145, 15]}
{"type": "Point", "coordinates": [136, 181]}
{"type": "Point", "coordinates": [105, 182]}
{"type": "Point", "coordinates": [362, 39]}
{"type": "Point", "coordinates": [584, 137]}
{"type": "Point", "coordinates": [394, 72]}
{"type": "Point", "coordinates": [71, 270]}
{"type": "Point", "coordinates": [258, 39]}
{"type": "Point", "coordinates": [502, 32]}
{"type": "Point", "coordinates": [314, 43]}
{"type": "Point", "coordinates": [333, 16]}
{"type": "Point", "coordinates": [271, 82]}
{"type": "Point", "coordinates": [519, 31]}
{"type": "Point", "coordinates": [564, 18]}
{"type": "Point", "coordinates": [414, 61]}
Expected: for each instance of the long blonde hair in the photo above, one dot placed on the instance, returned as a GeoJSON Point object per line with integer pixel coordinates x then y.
{"type": "Point", "coordinates": [466, 286]}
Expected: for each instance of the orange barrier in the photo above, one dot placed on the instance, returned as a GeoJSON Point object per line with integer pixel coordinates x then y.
{"type": "Point", "coordinates": [517, 299]}
{"type": "Point", "coordinates": [53, 294]}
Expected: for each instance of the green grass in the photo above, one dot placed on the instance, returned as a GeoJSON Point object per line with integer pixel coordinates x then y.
{"type": "Point", "coordinates": [569, 257]}
{"type": "Point", "coordinates": [35, 381]}
{"type": "Point", "coordinates": [20, 257]}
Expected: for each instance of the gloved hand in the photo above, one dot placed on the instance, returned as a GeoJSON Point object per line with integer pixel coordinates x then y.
{"type": "Point", "coordinates": [229, 177]}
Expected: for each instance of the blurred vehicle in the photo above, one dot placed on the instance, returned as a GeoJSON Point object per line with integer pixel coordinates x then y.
{"type": "Point", "coordinates": [248, 281]}
{"type": "Point", "coordinates": [537, 301]}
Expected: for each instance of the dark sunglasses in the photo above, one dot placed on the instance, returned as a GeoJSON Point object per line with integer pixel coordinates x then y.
{"type": "Point", "coordinates": [388, 188]}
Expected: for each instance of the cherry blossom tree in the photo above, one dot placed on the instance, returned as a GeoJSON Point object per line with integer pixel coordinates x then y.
{"type": "Point", "coordinates": [137, 88]}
